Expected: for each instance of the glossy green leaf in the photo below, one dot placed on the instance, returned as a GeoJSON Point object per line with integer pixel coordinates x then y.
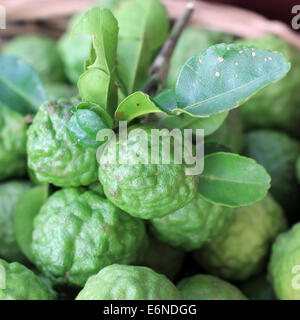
{"type": "Point", "coordinates": [135, 105]}
{"type": "Point", "coordinates": [143, 29]}
{"type": "Point", "coordinates": [185, 121]}
{"type": "Point", "coordinates": [27, 207]}
{"type": "Point", "coordinates": [21, 89]}
{"type": "Point", "coordinates": [166, 100]}
{"type": "Point", "coordinates": [232, 180]}
{"type": "Point", "coordinates": [224, 77]}
{"type": "Point", "coordinates": [97, 83]}
{"type": "Point", "coordinates": [86, 122]}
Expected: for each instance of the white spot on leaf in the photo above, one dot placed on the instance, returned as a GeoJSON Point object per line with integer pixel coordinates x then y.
{"type": "Point", "coordinates": [217, 74]}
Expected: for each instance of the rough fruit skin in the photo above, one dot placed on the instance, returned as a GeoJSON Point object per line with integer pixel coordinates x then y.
{"type": "Point", "coordinates": [144, 190]}
{"type": "Point", "coordinates": [242, 246]}
{"type": "Point", "coordinates": [277, 152]}
{"type": "Point", "coordinates": [284, 264]}
{"type": "Point", "coordinates": [12, 144]}
{"type": "Point", "coordinates": [207, 287]}
{"type": "Point", "coordinates": [22, 284]}
{"type": "Point", "coordinates": [77, 233]}
{"type": "Point", "coordinates": [193, 225]}
{"type": "Point", "coordinates": [9, 195]}
{"type": "Point", "coordinates": [193, 40]}
{"type": "Point", "coordinates": [52, 154]}
{"type": "Point", "coordinates": [163, 258]}
{"type": "Point", "coordinates": [277, 105]}
{"type": "Point", "coordinates": [40, 52]}
{"type": "Point", "coordinates": [120, 282]}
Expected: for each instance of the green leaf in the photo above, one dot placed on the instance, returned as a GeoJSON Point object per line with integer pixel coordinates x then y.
{"type": "Point", "coordinates": [232, 180]}
{"type": "Point", "coordinates": [185, 121]}
{"type": "Point", "coordinates": [97, 84]}
{"type": "Point", "coordinates": [135, 105]}
{"type": "Point", "coordinates": [27, 207]}
{"type": "Point", "coordinates": [21, 89]}
{"type": "Point", "coordinates": [166, 100]}
{"type": "Point", "coordinates": [144, 27]}
{"type": "Point", "coordinates": [86, 122]}
{"type": "Point", "coordinates": [224, 77]}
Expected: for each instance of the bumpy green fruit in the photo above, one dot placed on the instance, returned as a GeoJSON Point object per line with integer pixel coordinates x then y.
{"type": "Point", "coordinates": [207, 287]}
{"type": "Point", "coordinates": [278, 153]}
{"type": "Point", "coordinates": [278, 104]}
{"type": "Point", "coordinates": [40, 52]}
{"type": "Point", "coordinates": [163, 258]}
{"type": "Point", "coordinates": [19, 283]}
{"type": "Point", "coordinates": [193, 40]}
{"type": "Point", "coordinates": [120, 282]}
{"type": "Point", "coordinates": [258, 288]}
{"type": "Point", "coordinates": [242, 246]}
{"type": "Point", "coordinates": [284, 267]}
{"type": "Point", "coordinates": [230, 134]}
{"type": "Point", "coordinates": [12, 144]}
{"type": "Point", "coordinates": [52, 154]}
{"type": "Point", "coordinates": [9, 195]}
{"type": "Point", "coordinates": [77, 233]}
{"type": "Point", "coordinates": [144, 190]}
{"type": "Point", "coordinates": [193, 225]}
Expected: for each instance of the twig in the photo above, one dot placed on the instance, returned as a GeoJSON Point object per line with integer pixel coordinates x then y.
{"type": "Point", "coordinates": [159, 69]}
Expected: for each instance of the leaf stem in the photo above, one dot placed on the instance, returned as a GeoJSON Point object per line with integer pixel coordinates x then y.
{"type": "Point", "coordinates": [159, 68]}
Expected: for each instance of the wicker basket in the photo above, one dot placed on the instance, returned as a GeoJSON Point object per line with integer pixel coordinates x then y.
{"type": "Point", "coordinates": [51, 17]}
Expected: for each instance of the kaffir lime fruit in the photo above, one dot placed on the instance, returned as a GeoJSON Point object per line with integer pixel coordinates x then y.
{"type": "Point", "coordinates": [284, 266]}
{"type": "Point", "coordinates": [53, 155]}
{"type": "Point", "coordinates": [242, 246]}
{"type": "Point", "coordinates": [12, 144]}
{"type": "Point", "coordinates": [120, 282]}
{"type": "Point", "coordinates": [258, 288]}
{"type": "Point", "coordinates": [19, 283]}
{"type": "Point", "coordinates": [77, 233]}
{"type": "Point", "coordinates": [207, 287]}
{"type": "Point", "coordinates": [144, 190]}
{"type": "Point", "coordinates": [193, 225]}
{"type": "Point", "coordinates": [9, 195]}
{"type": "Point", "coordinates": [277, 152]}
